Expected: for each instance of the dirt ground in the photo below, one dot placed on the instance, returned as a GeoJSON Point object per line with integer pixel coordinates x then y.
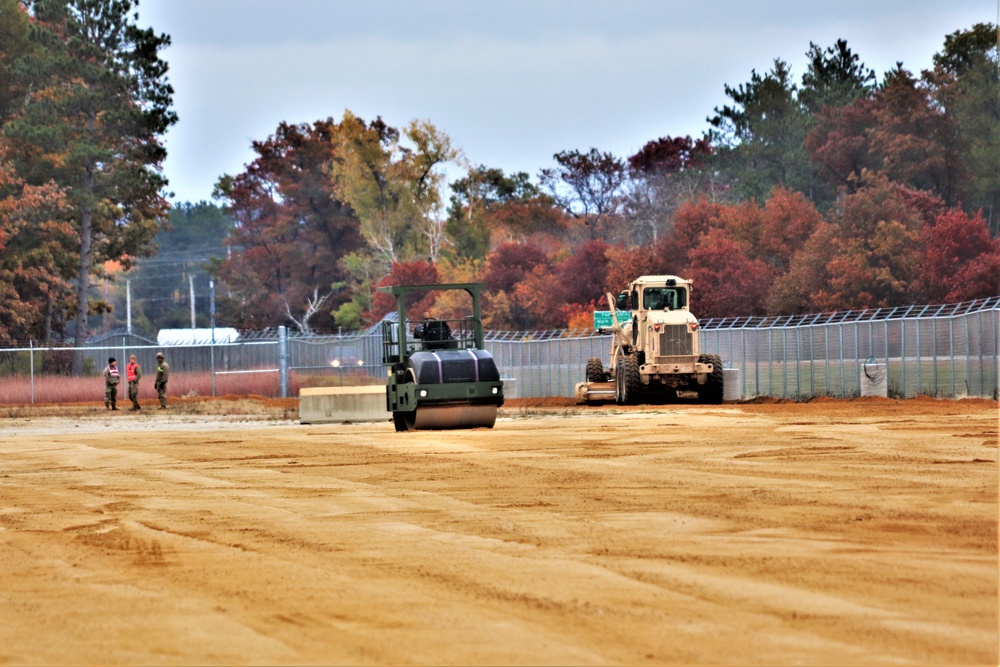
{"type": "Point", "coordinates": [829, 532]}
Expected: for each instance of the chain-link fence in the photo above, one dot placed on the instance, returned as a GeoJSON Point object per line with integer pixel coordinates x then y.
{"type": "Point", "coordinates": [945, 351]}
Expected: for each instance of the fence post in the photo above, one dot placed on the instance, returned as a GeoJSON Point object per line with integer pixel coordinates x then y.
{"type": "Point", "coordinates": [283, 359]}
{"type": "Point", "coordinates": [31, 364]}
{"type": "Point", "coordinates": [124, 385]}
{"type": "Point", "coordinates": [982, 345]}
{"type": "Point", "coordinates": [902, 354]}
{"type": "Point", "coordinates": [951, 352]}
{"type": "Point", "coordinates": [934, 342]}
{"type": "Point", "coordinates": [840, 330]}
{"type": "Point", "coordinates": [826, 356]}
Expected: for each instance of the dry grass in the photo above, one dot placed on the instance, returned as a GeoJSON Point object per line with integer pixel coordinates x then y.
{"type": "Point", "coordinates": [18, 390]}
{"type": "Point", "coordinates": [255, 407]}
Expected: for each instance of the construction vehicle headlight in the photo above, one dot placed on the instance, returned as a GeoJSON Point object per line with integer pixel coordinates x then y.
{"type": "Point", "coordinates": [335, 363]}
{"type": "Point", "coordinates": [495, 390]}
{"type": "Point", "coordinates": [361, 362]}
{"type": "Point", "coordinates": [423, 393]}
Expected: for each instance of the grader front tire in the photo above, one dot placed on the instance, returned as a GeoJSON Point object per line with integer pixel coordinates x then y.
{"type": "Point", "coordinates": [712, 391]}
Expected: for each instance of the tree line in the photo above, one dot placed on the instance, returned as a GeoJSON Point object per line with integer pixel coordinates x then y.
{"type": "Point", "coordinates": [834, 190]}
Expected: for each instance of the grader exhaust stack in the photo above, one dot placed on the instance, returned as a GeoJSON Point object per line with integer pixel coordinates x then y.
{"type": "Point", "coordinates": [440, 377]}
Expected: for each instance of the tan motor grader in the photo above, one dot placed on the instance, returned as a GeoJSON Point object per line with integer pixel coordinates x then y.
{"type": "Point", "coordinates": [655, 348]}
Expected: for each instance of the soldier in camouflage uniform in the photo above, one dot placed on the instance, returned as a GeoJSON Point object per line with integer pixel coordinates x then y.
{"type": "Point", "coordinates": [162, 373]}
{"type": "Point", "coordinates": [111, 380]}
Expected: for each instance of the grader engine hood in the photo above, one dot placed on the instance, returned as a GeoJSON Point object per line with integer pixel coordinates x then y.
{"type": "Point", "coordinates": [671, 333]}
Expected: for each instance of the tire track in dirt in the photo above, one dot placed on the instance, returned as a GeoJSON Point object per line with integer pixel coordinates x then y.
{"type": "Point", "coordinates": [751, 534]}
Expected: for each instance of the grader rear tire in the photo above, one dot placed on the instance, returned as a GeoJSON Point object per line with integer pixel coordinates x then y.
{"type": "Point", "coordinates": [627, 382]}
{"type": "Point", "coordinates": [595, 370]}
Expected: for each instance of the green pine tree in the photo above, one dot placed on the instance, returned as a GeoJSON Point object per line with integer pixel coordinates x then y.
{"type": "Point", "coordinates": [98, 105]}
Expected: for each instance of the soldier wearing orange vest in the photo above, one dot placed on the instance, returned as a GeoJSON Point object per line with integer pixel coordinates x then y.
{"type": "Point", "coordinates": [133, 371]}
{"type": "Point", "coordinates": [111, 379]}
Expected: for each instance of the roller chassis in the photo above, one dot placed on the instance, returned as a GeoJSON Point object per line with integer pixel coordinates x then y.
{"type": "Point", "coordinates": [441, 377]}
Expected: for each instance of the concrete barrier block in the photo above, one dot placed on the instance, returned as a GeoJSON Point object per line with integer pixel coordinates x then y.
{"type": "Point", "coordinates": [332, 405]}
{"type": "Point", "coordinates": [873, 380]}
{"type": "Point", "coordinates": [732, 390]}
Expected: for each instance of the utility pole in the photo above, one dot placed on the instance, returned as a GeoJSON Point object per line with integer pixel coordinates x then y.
{"type": "Point", "coordinates": [211, 315]}
{"type": "Point", "coordinates": [128, 306]}
{"type": "Point", "coordinates": [191, 281]}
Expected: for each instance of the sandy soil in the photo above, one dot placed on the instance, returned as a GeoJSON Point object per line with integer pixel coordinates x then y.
{"type": "Point", "coordinates": [832, 532]}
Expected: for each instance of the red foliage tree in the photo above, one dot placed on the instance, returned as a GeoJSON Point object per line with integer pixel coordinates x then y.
{"type": "Point", "coordinates": [509, 263]}
{"type": "Point", "coordinates": [727, 282]}
{"type": "Point", "coordinates": [875, 255]}
{"type": "Point", "coordinates": [807, 274]}
{"type": "Point", "coordinates": [583, 277]}
{"type": "Point", "coordinates": [787, 221]}
{"type": "Point", "coordinates": [35, 267]}
{"type": "Point", "coordinates": [959, 259]}
{"type": "Point", "coordinates": [406, 273]}
{"type": "Point", "coordinates": [671, 154]}
{"type": "Point", "coordinates": [550, 297]}
{"type": "Point", "coordinates": [691, 221]}
{"type": "Point", "coordinates": [917, 140]}
{"type": "Point", "coordinates": [536, 221]}
{"type": "Point", "coordinates": [627, 264]}
{"type": "Point", "coordinates": [839, 146]}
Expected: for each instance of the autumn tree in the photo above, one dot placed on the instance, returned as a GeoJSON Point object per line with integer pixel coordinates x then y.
{"type": "Point", "coordinates": [35, 270]}
{"type": "Point", "coordinates": [872, 258]}
{"type": "Point", "coordinates": [839, 144]}
{"type": "Point", "coordinates": [959, 260]}
{"type": "Point", "coordinates": [588, 186]}
{"type": "Point", "coordinates": [625, 264]}
{"type": "Point", "coordinates": [552, 295]}
{"type": "Point", "coordinates": [787, 221]}
{"type": "Point", "coordinates": [97, 107]}
{"type": "Point", "coordinates": [419, 272]}
{"type": "Point", "coordinates": [727, 281]}
{"type": "Point", "coordinates": [760, 241]}
{"type": "Point", "coordinates": [808, 275]}
{"type": "Point", "coordinates": [393, 182]}
{"type": "Point", "coordinates": [916, 140]}
{"type": "Point", "coordinates": [290, 231]}
{"type": "Point", "coordinates": [488, 204]}
{"type": "Point", "coordinates": [662, 175]}
{"type": "Point", "coordinates": [506, 267]}
{"type": "Point", "coordinates": [691, 222]}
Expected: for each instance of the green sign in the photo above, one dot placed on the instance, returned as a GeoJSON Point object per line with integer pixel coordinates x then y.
{"type": "Point", "coordinates": [602, 318]}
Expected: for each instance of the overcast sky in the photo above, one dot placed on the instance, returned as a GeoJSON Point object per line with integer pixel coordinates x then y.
{"type": "Point", "coordinates": [511, 82]}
